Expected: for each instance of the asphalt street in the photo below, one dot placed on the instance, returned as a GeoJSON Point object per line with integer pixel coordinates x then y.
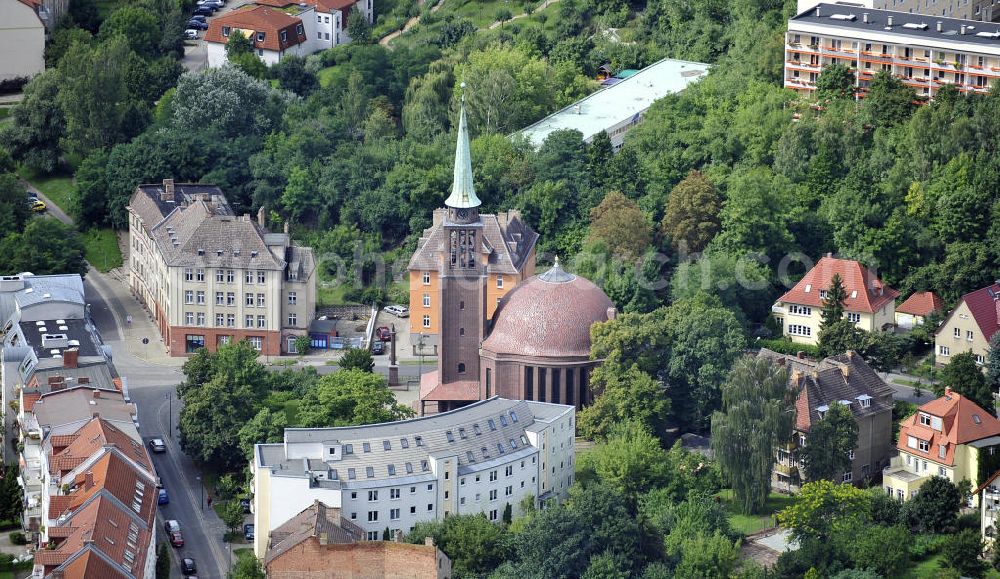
{"type": "Point", "coordinates": [153, 388]}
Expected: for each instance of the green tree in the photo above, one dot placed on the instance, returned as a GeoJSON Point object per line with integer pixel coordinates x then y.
{"type": "Point", "coordinates": [619, 223]}
{"type": "Point", "coordinates": [292, 74]}
{"type": "Point", "coordinates": [11, 497]}
{"type": "Point", "coordinates": [823, 508]}
{"type": "Point", "coordinates": [755, 418]}
{"type": "Point", "coordinates": [474, 544]}
{"type": "Point", "coordinates": [350, 397]}
{"type": "Point", "coordinates": [264, 427]}
{"type": "Point", "coordinates": [231, 513]}
{"type": "Point", "coordinates": [600, 155]}
{"type": "Point", "coordinates": [826, 455]}
{"type": "Point", "coordinates": [46, 246]}
{"type": "Point", "coordinates": [626, 395]}
{"type": "Point", "coordinates": [691, 218]}
{"type": "Point", "coordinates": [631, 462]}
{"type": "Point", "coordinates": [508, 514]}
{"type": "Point", "coordinates": [357, 359]}
{"type": "Point", "coordinates": [237, 44]}
{"type": "Point", "coordinates": [884, 550]}
{"type": "Point", "coordinates": [38, 124]}
{"type": "Point", "coordinates": [836, 81]}
{"type": "Point", "coordinates": [137, 25]}
{"type": "Point", "coordinates": [964, 376]}
{"type": "Point", "coordinates": [839, 337]}
{"type": "Point", "coordinates": [935, 507]}
{"type": "Point", "coordinates": [228, 101]}
{"type": "Point", "coordinates": [993, 363]}
{"type": "Point", "coordinates": [833, 303]}
{"type": "Point", "coordinates": [162, 561]}
{"type": "Point", "coordinates": [888, 102]}
{"type": "Point", "coordinates": [358, 27]}
{"type": "Point", "coordinates": [247, 567]}
{"type": "Point", "coordinates": [606, 566]}
{"type": "Point", "coordinates": [963, 552]}
{"type": "Point", "coordinates": [14, 211]}
{"type": "Point", "coordinates": [711, 557]}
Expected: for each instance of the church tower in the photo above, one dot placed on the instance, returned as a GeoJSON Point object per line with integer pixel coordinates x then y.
{"type": "Point", "coordinates": [463, 265]}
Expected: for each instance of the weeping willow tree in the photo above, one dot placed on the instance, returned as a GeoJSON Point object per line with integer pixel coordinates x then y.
{"type": "Point", "coordinates": [756, 417]}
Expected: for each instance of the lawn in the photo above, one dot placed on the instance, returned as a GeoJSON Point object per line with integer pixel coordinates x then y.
{"type": "Point", "coordinates": [748, 524]}
{"type": "Point", "coordinates": [332, 296]}
{"type": "Point", "coordinates": [58, 188]}
{"type": "Point", "coordinates": [101, 249]}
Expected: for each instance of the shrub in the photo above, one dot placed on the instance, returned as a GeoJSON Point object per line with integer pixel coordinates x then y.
{"type": "Point", "coordinates": [785, 346]}
{"type": "Point", "coordinates": [925, 545]}
{"type": "Point", "coordinates": [18, 538]}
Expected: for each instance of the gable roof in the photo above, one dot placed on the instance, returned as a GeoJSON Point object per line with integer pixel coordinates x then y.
{"type": "Point", "coordinates": [323, 6]}
{"type": "Point", "coordinates": [865, 291]}
{"type": "Point", "coordinates": [97, 434]}
{"type": "Point", "coordinates": [261, 20]}
{"type": "Point", "coordinates": [921, 304]}
{"type": "Point", "coordinates": [316, 520]}
{"type": "Point", "coordinates": [962, 421]}
{"type": "Point", "coordinates": [115, 476]}
{"type": "Point", "coordinates": [984, 305]}
{"type": "Point", "coordinates": [506, 239]}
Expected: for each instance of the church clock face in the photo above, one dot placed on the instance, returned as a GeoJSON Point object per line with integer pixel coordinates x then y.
{"type": "Point", "coordinates": [462, 213]}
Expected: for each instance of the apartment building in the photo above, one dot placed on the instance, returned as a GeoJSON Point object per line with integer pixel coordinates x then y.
{"type": "Point", "coordinates": [989, 507]}
{"type": "Point", "coordinates": [981, 10]}
{"type": "Point", "coordinates": [209, 277]}
{"type": "Point", "coordinates": [870, 304]}
{"type": "Point", "coordinates": [925, 51]}
{"type": "Point", "coordinates": [844, 379]}
{"type": "Point", "coordinates": [948, 437]}
{"type": "Point", "coordinates": [480, 458]}
{"type": "Point", "coordinates": [969, 327]}
{"type": "Point", "coordinates": [22, 38]}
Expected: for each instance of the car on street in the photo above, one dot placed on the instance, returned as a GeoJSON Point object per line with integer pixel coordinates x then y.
{"type": "Point", "coordinates": [191, 34]}
{"type": "Point", "coordinates": [212, 3]}
{"type": "Point", "coordinates": [378, 348]}
{"type": "Point", "coordinates": [383, 333]}
{"type": "Point", "coordinates": [176, 539]}
{"type": "Point", "coordinates": [162, 498]}
{"type": "Point", "coordinates": [197, 24]}
{"type": "Point", "coordinates": [204, 11]}
{"type": "Point", "coordinates": [171, 526]}
{"type": "Point", "coordinates": [38, 206]}
{"type": "Point", "coordinates": [245, 505]}
{"type": "Point", "coordinates": [188, 567]}
{"type": "Point", "coordinates": [157, 445]}
{"type": "Point", "coordinates": [398, 311]}
{"type": "Point", "coordinates": [248, 532]}
{"type": "Point", "coordinates": [199, 18]}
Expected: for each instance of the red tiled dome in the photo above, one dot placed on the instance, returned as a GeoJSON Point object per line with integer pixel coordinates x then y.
{"type": "Point", "coordinates": [549, 315]}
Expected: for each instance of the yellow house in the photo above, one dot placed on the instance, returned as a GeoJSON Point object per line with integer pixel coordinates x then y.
{"type": "Point", "coordinates": [945, 438]}
{"type": "Point", "coordinates": [870, 304]}
{"type": "Point", "coordinates": [969, 327]}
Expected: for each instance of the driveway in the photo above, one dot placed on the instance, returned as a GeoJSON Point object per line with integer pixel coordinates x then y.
{"type": "Point", "coordinates": [51, 208]}
{"type": "Point", "coordinates": [195, 51]}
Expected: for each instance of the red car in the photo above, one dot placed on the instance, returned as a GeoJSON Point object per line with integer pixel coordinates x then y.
{"type": "Point", "coordinates": [383, 333]}
{"type": "Point", "coordinates": [176, 539]}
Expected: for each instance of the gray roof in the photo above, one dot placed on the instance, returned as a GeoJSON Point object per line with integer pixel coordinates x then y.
{"type": "Point", "coordinates": [79, 404]}
{"type": "Point", "coordinates": [481, 425]}
{"type": "Point", "coordinates": [506, 238]}
{"type": "Point", "coordinates": [315, 520]}
{"type": "Point", "coordinates": [194, 235]}
{"type": "Point", "coordinates": [148, 202]}
{"type": "Point", "coordinates": [913, 26]}
{"type": "Point", "coordinates": [79, 333]}
{"type": "Point", "coordinates": [64, 288]}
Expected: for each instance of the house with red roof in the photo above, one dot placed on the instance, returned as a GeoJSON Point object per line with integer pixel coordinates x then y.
{"type": "Point", "coordinates": [915, 309]}
{"type": "Point", "coordinates": [948, 437]}
{"type": "Point", "coordinates": [22, 38]}
{"type": "Point", "coordinates": [326, 24]}
{"type": "Point", "coordinates": [870, 304]}
{"type": "Point", "coordinates": [969, 327]}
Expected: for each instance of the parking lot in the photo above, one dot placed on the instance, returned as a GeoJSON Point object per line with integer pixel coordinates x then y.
{"type": "Point", "coordinates": [195, 51]}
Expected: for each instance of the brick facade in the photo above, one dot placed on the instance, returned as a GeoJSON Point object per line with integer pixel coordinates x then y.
{"type": "Point", "coordinates": [177, 337]}
{"type": "Point", "coordinates": [366, 560]}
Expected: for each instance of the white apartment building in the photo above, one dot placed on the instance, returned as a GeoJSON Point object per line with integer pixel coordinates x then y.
{"type": "Point", "coordinates": [476, 459]}
{"type": "Point", "coordinates": [209, 277]}
{"type": "Point", "coordinates": [925, 51]}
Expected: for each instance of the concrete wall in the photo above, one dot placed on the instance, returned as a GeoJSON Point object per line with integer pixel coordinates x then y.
{"type": "Point", "coordinates": [22, 41]}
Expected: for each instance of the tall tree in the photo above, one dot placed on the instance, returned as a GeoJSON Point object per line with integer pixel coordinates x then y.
{"type": "Point", "coordinates": [358, 27]}
{"type": "Point", "coordinates": [46, 246]}
{"type": "Point", "coordinates": [626, 395]}
{"type": "Point", "coordinates": [935, 508]}
{"type": "Point", "coordinates": [993, 364]}
{"type": "Point", "coordinates": [618, 222]}
{"type": "Point", "coordinates": [357, 359]}
{"type": "Point", "coordinates": [755, 418]}
{"type": "Point", "coordinates": [691, 218]}
{"type": "Point", "coordinates": [823, 508]}
{"type": "Point", "coordinates": [833, 303]}
{"type": "Point", "coordinates": [350, 397]}
{"type": "Point", "coordinates": [631, 462]}
{"type": "Point", "coordinates": [836, 81]}
{"type": "Point", "coordinates": [964, 376]}
{"type": "Point", "coordinates": [38, 124]}
{"type": "Point", "coordinates": [826, 455]}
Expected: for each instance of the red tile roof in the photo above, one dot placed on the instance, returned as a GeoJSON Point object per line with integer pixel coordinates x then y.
{"type": "Point", "coordinates": [431, 390]}
{"type": "Point", "coordinates": [95, 435]}
{"type": "Point", "coordinates": [324, 6]}
{"type": "Point", "coordinates": [29, 400]}
{"type": "Point", "coordinates": [962, 422]}
{"type": "Point", "coordinates": [921, 304]}
{"type": "Point", "coordinates": [260, 19]}
{"type": "Point", "coordinates": [871, 294]}
{"type": "Point", "coordinates": [984, 304]}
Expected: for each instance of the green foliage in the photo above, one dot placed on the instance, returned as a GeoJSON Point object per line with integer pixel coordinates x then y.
{"type": "Point", "coordinates": [935, 508]}
{"type": "Point", "coordinates": [162, 561]}
{"type": "Point", "coordinates": [823, 508]}
{"type": "Point", "coordinates": [755, 419]}
{"type": "Point", "coordinates": [884, 550]}
{"type": "Point", "coordinates": [238, 44]}
{"type": "Point", "coordinates": [833, 303]}
{"type": "Point", "coordinates": [231, 514]}
{"type": "Point", "coordinates": [826, 453]}
{"type": "Point", "coordinates": [712, 557]}
{"type": "Point", "coordinates": [631, 462]}
{"type": "Point", "coordinates": [247, 567]}
{"type": "Point", "coordinates": [962, 552]}
{"type": "Point", "coordinates": [474, 544]}
{"type": "Point", "coordinates": [627, 395]}
{"type": "Point", "coordinates": [358, 27]}
{"type": "Point", "coordinates": [38, 124]}
{"type": "Point", "coordinates": [46, 246]}
{"type": "Point", "coordinates": [619, 223]}
{"type": "Point", "coordinates": [302, 345]}
{"type": "Point", "coordinates": [964, 376]}
{"type": "Point", "coordinates": [691, 219]}
{"type": "Point", "coordinates": [350, 397]}
{"type": "Point", "coordinates": [835, 82]}
{"type": "Point", "coordinates": [137, 25]}
{"type": "Point", "coordinates": [292, 74]}
{"type": "Point", "coordinates": [993, 363]}
{"type": "Point", "coordinates": [785, 346]}
{"type": "Point", "coordinates": [357, 359]}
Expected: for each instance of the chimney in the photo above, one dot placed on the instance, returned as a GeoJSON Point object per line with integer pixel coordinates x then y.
{"type": "Point", "coordinates": [168, 190]}
{"type": "Point", "coordinates": [97, 393]}
{"type": "Point", "coordinates": [801, 355]}
{"type": "Point", "coordinates": [846, 371]}
{"type": "Point", "coordinates": [261, 216]}
{"type": "Point", "coordinates": [850, 354]}
{"type": "Point", "coordinates": [817, 11]}
{"type": "Point", "coordinates": [429, 541]}
{"type": "Point", "coordinates": [324, 538]}
{"type": "Point", "coordinates": [962, 29]}
{"type": "Point", "coordinates": [829, 254]}
{"type": "Point", "coordinates": [95, 414]}
{"type": "Point", "coordinates": [864, 17]}
{"type": "Point", "coordinates": [71, 357]}
{"type": "Point", "coordinates": [889, 21]}
{"type": "Point", "coordinates": [612, 313]}
{"type": "Point", "coordinates": [947, 391]}
{"type": "Point", "coordinates": [939, 26]}
{"type": "Point", "coordinates": [88, 480]}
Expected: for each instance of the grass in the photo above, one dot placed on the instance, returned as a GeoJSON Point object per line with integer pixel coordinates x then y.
{"type": "Point", "coordinates": [292, 411]}
{"type": "Point", "coordinates": [4, 113]}
{"type": "Point", "coordinates": [748, 524]}
{"type": "Point", "coordinates": [332, 296]}
{"type": "Point", "coordinates": [101, 249]}
{"type": "Point", "coordinates": [58, 188]}
{"type": "Point", "coordinates": [910, 383]}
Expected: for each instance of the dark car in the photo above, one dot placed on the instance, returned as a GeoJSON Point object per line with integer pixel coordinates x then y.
{"type": "Point", "coordinates": [245, 505]}
{"type": "Point", "coordinates": [248, 532]}
{"type": "Point", "coordinates": [378, 348]}
{"type": "Point", "coordinates": [162, 498]}
{"type": "Point", "coordinates": [204, 11]}
{"type": "Point", "coordinates": [199, 18]}
{"type": "Point", "coordinates": [188, 568]}
{"type": "Point", "coordinates": [176, 539]}
{"type": "Point", "coordinates": [197, 25]}
{"type": "Point", "coordinates": [383, 333]}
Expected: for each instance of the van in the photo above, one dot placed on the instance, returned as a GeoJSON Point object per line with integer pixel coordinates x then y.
{"type": "Point", "coordinates": [398, 311]}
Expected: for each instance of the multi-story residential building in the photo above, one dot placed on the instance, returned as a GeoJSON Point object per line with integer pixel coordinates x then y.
{"type": "Point", "coordinates": [915, 309]}
{"type": "Point", "coordinates": [969, 327]}
{"type": "Point", "coordinates": [870, 304]}
{"type": "Point", "coordinates": [981, 10]}
{"type": "Point", "coordinates": [926, 52]}
{"type": "Point", "coordinates": [844, 379]}
{"type": "Point", "coordinates": [989, 505]}
{"type": "Point", "coordinates": [946, 437]}
{"type": "Point", "coordinates": [22, 38]}
{"type": "Point", "coordinates": [209, 277]}
{"type": "Point", "coordinates": [480, 458]}
{"type": "Point", "coordinates": [464, 264]}
{"type": "Point", "coordinates": [322, 541]}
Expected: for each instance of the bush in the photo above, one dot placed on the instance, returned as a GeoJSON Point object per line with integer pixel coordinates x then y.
{"type": "Point", "coordinates": [968, 521]}
{"type": "Point", "coordinates": [925, 545]}
{"type": "Point", "coordinates": [786, 346]}
{"type": "Point", "coordinates": [18, 538]}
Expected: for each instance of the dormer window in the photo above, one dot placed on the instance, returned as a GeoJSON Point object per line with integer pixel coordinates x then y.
{"type": "Point", "coordinates": [284, 36]}
{"type": "Point", "coordinates": [821, 410]}
{"type": "Point", "coordinates": [925, 419]}
{"type": "Point", "coordinates": [260, 37]}
{"type": "Point", "coordinates": [225, 31]}
{"type": "Point", "coordinates": [823, 294]}
{"type": "Point", "coordinates": [298, 29]}
{"type": "Point", "coordinates": [809, 287]}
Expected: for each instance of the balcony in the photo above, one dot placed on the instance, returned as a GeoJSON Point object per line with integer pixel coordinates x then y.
{"type": "Point", "coordinates": [786, 469]}
{"type": "Point", "coordinates": [776, 309]}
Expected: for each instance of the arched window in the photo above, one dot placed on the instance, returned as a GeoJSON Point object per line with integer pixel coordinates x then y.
{"type": "Point", "coordinates": [461, 367]}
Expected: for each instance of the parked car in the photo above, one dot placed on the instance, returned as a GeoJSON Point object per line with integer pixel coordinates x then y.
{"type": "Point", "coordinates": [214, 3]}
{"type": "Point", "coordinates": [197, 24]}
{"type": "Point", "coordinates": [378, 348]}
{"type": "Point", "coordinates": [199, 17]}
{"type": "Point", "coordinates": [171, 526]}
{"type": "Point", "coordinates": [248, 532]}
{"type": "Point", "coordinates": [398, 311]}
{"type": "Point", "coordinates": [204, 11]}
{"type": "Point", "coordinates": [157, 445]}
{"type": "Point", "coordinates": [38, 206]}
{"type": "Point", "coordinates": [191, 34]}
{"type": "Point", "coordinates": [176, 539]}
{"type": "Point", "coordinates": [162, 498]}
{"type": "Point", "coordinates": [383, 334]}
{"type": "Point", "coordinates": [245, 505]}
{"type": "Point", "coordinates": [159, 483]}
{"type": "Point", "coordinates": [188, 567]}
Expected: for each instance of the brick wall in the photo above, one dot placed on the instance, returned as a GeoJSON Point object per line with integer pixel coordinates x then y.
{"type": "Point", "coordinates": [366, 560]}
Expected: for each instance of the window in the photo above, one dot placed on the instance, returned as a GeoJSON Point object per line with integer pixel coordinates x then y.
{"type": "Point", "coordinates": [427, 278]}
{"type": "Point", "coordinates": [393, 513]}
{"type": "Point", "coordinates": [351, 474]}
{"type": "Point", "coordinates": [370, 471]}
{"type": "Point", "coordinates": [256, 342]}
{"type": "Point", "coordinates": [372, 535]}
{"type": "Point", "coordinates": [509, 470]}
{"type": "Point", "coordinates": [493, 515]}
{"type": "Point", "coordinates": [508, 491]}
{"type": "Point", "coordinates": [192, 343]}
{"type": "Point", "coordinates": [372, 517]}
{"type": "Point", "coordinates": [493, 495]}
{"type": "Point", "coordinates": [499, 281]}
{"type": "Point", "coordinates": [942, 471]}
{"type": "Point", "coordinates": [260, 300]}
{"type": "Point", "coordinates": [923, 445]}
{"type": "Point", "coordinates": [957, 332]}
{"type": "Point", "coordinates": [799, 310]}
{"type": "Point", "coordinates": [850, 454]}
{"type": "Point", "coordinates": [293, 319]}
{"type": "Point", "coordinates": [260, 38]}
{"type": "Point", "coordinates": [248, 300]}
{"type": "Point", "coordinates": [230, 299]}
{"type": "Point", "coordinates": [372, 495]}
{"type": "Point", "coordinates": [261, 322]}
{"type": "Point", "coordinates": [944, 350]}
{"type": "Point", "coordinates": [220, 299]}
{"type": "Point", "coordinates": [430, 506]}
{"type": "Point", "coordinates": [298, 29]}
{"type": "Point", "coordinates": [249, 276]}
{"type": "Point", "coordinates": [230, 276]}
{"type": "Point", "coordinates": [348, 449]}
{"type": "Point", "coordinates": [200, 275]}
{"type": "Point", "coordinates": [284, 36]}
{"type": "Point", "coordinates": [503, 420]}
{"type": "Point", "coordinates": [427, 321]}
{"type": "Point", "coordinates": [189, 297]}
{"type": "Point", "coordinates": [493, 476]}
{"type": "Point", "coordinates": [461, 433]}
{"type": "Point", "coordinates": [853, 317]}
{"type": "Point", "coordinates": [419, 440]}
{"type": "Point", "coordinates": [189, 318]}
{"type": "Point", "coordinates": [220, 319]}
{"type": "Point", "coordinates": [366, 447]}
{"type": "Point", "coordinates": [219, 275]}
{"type": "Point", "coordinates": [942, 450]}
{"type": "Point", "coordinates": [968, 335]}
{"type": "Point", "coordinates": [848, 477]}
{"type": "Point", "coordinates": [261, 277]}
{"type": "Point", "coordinates": [513, 416]}
{"type": "Point", "coordinates": [461, 367]}
{"type": "Point", "coordinates": [230, 320]}
{"type": "Point", "coordinates": [980, 359]}
{"type": "Point", "coordinates": [925, 419]}
{"type": "Point", "coordinates": [292, 298]}
{"type": "Point", "coordinates": [449, 436]}
{"type": "Point", "coordinates": [427, 300]}
{"type": "Point", "coordinates": [188, 274]}
{"type": "Point", "coordinates": [225, 31]}
{"type": "Point", "coordinates": [492, 424]}
{"type": "Point", "coordinates": [201, 297]}
{"type": "Point", "coordinates": [394, 493]}
{"type": "Point", "coordinates": [799, 330]}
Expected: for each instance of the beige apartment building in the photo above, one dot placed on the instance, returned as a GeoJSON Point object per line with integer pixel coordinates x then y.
{"type": "Point", "coordinates": [969, 327]}
{"type": "Point", "coordinates": [926, 51]}
{"type": "Point", "coordinates": [209, 277]}
{"type": "Point", "coordinates": [870, 304]}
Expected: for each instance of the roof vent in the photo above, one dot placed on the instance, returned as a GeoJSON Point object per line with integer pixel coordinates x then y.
{"type": "Point", "coordinates": [985, 34]}
{"type": "Point", "coordinates": [46, 296]}
{"type": "Point", "coordinates": [60, 321]}
{"type": "Point", "coordinates": [29, 290]}
{"type": "Point", "coordinates": [889, 21]}
{"type": "Point", "coordinates": [962, 29]}
{"type": "Point", "coordinates": [253, 254]}
{"type": "Point", "coordinates": [864, 17]}
{"type": "Point", "coordinates": [940, 26]}
{"type": "Point", "coordinates": [915, 26]}
{"type": "Point", "coordinates": [39, 323]}
{"type": "Point", "coordinates": [848, 17]}
{"type": "Point", "coordinates": [201, 251]}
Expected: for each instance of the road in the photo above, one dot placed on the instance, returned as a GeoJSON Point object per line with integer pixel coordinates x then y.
{"type": "Point", "coordinates": [149, 387]}
{"type": "Point", "coordinates": [50, 207]}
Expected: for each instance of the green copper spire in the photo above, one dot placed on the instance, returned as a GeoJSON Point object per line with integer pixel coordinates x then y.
{"type": "Point", "coordinates": [463, 193]}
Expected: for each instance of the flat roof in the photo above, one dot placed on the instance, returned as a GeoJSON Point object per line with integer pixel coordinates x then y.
{"type": "Point", "coordinates": [619, 102]}
{"type": "Point", "coordinates": [78, 333]}
{"type": "Point", "coordinates": [917, 26]}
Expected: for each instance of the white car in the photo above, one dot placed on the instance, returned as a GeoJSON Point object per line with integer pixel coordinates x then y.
{"type": "Point", "coordinates": [171, 526]}
{"type": "Point", "coordinates": [398, 311]}
{"type": "Point", "coordinates": [191, 34]}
